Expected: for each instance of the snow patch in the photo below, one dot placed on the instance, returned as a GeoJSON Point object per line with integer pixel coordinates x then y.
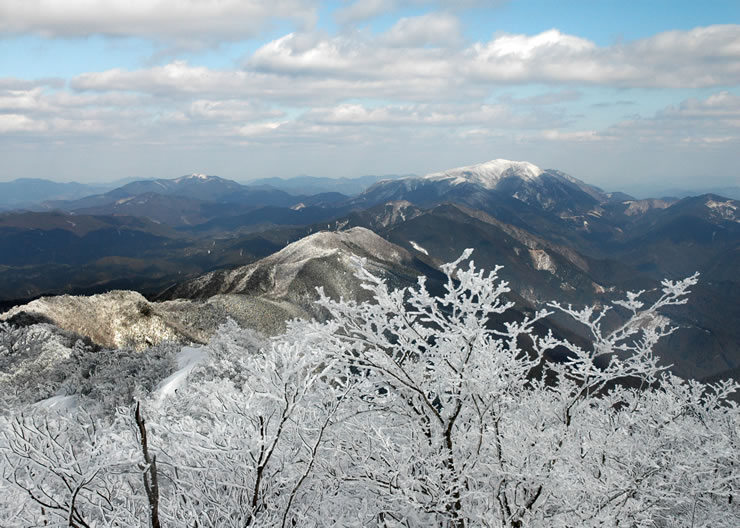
{"type": "Point", "coordinates": [194, 176]}
{"type": "Point", "coordinates": [418, 248]}
{"type": "Point", "coordinates": [640, 207]}
{"type": "Point", "coordinates": [188, 358]}
{"type": "Point", "coordinates": [725, 210]}
{"type": "Point", "coordinates": [60, 402]}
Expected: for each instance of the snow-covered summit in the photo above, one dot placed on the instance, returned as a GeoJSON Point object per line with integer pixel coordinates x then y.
{"type": "Point", "coordinates": [275, 276]}
{"type": "Point", "coordinates": [195, 176]}
{"type": "Point", "coordinates": [289, 261]}
{"type": "Point", "coordinates": [488, 174]}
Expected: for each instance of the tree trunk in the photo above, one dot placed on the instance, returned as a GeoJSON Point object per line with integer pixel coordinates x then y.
{"type": "Point", "coordinates": [151, 484]}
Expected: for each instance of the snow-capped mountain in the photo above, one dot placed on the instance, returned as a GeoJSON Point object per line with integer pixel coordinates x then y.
{"type": "Point", "coordinates": [194, 176]}
{"type": "Point", "coordinates": [486, 183]}
{"type": "Point", "coordinates": [488, 174]}
{"type": "Point", "coordinates": [293, 273]}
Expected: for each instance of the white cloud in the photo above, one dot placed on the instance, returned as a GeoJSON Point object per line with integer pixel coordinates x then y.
{"type": "Point", "coordinates": [547, 57]}
{"type": "Point", "coordinates": [315, 69]}
{"type": "Point", "coordinates": [499, 117]}
{"type": "Point", "coordinates": [180, 79]}
{"type": "Point", "coordinates": [23, 100]}
{"type": "Point", "coordinates": [715, 119]}
{"type": "Point", "coordinates": [230, 110]}
{"type": "Point", "coordinates": [362, 10]}
{"type": "Point", "coordinates": [38, 101]}
{"type": "Point", "coordinates": [258, 129]}
{"type": "Point", "coordinates": [329, 82]}
{"type": "Point", "coordinates": [415, 90]}
{"type": "Point", "coordinates": [160, 19]}
{"type": "Point", "coordinates": [547, 98]}
{"type": "Point", "coordinates": [175, 77]}
{"type": "Point", "coordinates": [12, 83]}
{"type": "Point", "coordinates": [701, 57]}
{"type": "Point", "coordinates": [429, 29]}
{"type": "Point", "coordinates": [13, 123]}
{"type": "Point", "coordinates": [348, 56]}
{"type": "Point", "coordinates": [723, 105]}
{"type": "Point", "coordinates": [708, 57]}
{"type": "Point", "coordinates": [678, 59]}
{"type": "Point", "coordinates": [578, 136]}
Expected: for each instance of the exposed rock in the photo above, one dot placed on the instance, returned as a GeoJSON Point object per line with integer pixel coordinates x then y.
{"type": "Point", "coordinates": [114, 319]}
{"type": "Point", "coordinates": [640, 207]}
{"type": "Point", "coordinates": [542, 261]}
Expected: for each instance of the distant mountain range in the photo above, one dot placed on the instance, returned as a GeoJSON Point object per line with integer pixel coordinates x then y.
{"type": "Point", "coordinates": [27, 192]}
{"type": "Point", "coordinates": [41, 194]}
{"type": "Point", "coordinates": [730, 191]}
{"type": "Point", "coordinates": [199, 239]}
{"type": "Point", "coordinates": [316, 185]}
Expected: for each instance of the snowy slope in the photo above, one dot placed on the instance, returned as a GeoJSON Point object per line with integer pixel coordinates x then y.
{"type": "Point", "coordinates": [188, 358]}
{"type": "Point", "coordinates": [488, 174]}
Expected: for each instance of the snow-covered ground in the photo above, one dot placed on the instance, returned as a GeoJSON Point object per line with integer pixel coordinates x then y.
{"type": "Point", "coordinates": [60, 402]}
{"type": "Point", "coordinates": [188, 358]}
{"type": "Point", "coordinates": [418, 248]}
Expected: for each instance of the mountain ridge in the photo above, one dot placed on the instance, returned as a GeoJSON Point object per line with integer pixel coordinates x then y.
{"type": "Point", "coordinates": [558, 237]}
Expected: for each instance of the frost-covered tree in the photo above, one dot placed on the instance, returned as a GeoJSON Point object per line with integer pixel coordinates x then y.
{"type": "Point", "coordinates": [421, 410]}
{"type": "Point", "coordinates": [68, 470]}
{"type": "Point", "coordinates": [239, 444]}
{"type": "Point", "coordinates": [32, 362]}
{"type": "Point", "coordinates": [463, 423]}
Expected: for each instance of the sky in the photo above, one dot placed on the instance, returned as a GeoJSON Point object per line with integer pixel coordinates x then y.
{"type": "Point", "coordinates": [628, 95]}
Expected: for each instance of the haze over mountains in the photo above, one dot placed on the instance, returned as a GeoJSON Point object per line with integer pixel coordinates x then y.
{"type": "Point", "coordinates": [202, 248]}
{"type": "Point", "coordinates": [27, 192]}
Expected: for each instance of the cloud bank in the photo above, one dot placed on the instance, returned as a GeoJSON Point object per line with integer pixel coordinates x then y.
{"type": "Point", "coordinates": [220, 20]}
{"type": "Point", "coordinates": [420, 86]}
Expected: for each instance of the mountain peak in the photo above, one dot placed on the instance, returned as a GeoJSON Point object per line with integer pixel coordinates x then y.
{"type": "Point", "coordinates": [195, 176]}
{"type": "Point", "coordinates": [489, 173]}
{"type": "Point", "coordinates": [354, 241]}
{"type": "Point", "coordinates": [322, 258]}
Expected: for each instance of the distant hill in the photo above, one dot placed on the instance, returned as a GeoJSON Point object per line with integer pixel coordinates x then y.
{"type": "Point", "coordinates": [195, 187]}
{"type": "Point", "coordinates": [25, 192]}
{"type": "Point", "coordinates": [189, 200]}
{"type": "Point", "coordinates": [315, 185]}
{"type": "Point", "coordinates": [730, 191]}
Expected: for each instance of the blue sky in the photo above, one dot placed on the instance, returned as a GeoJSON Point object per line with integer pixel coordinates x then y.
{"type": "Point", "coordinates": [628, 95]}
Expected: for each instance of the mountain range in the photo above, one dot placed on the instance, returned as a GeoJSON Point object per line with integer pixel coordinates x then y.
{"type": "Point", "coordinates": [27, 192]}
{"type": "Point", "coordinates": [258, 252]}
{"type": "Point", "coordinates": [309, 185]}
